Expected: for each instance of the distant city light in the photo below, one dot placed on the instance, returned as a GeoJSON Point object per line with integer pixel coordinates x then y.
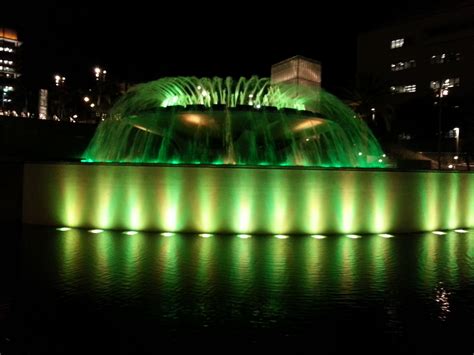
{"type": "Point", "coordinates": [59, 80]}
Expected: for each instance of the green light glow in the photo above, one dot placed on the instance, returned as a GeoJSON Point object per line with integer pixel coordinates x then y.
{"type": "Point", "coordinates": [130, 232]}
{"type": "Point", "coordinates": [386, 235]}
{"type": "Point", "coordinates": [461, 231]}
{"type": "Point", "coordinates": [63, 229]}
{"type": "Point", "coordinates": [318, 236]}
{"type": "Point", "coordinates": [281, 236]}
{"type": "Point", "coordinates": [244, 201]}
{"type": "Point", "coordinates": [439, 232]}
{"type": "Point", "coordinates": [172, 121]}
{"type": "Point", "coordinates": [205, 235]}
{"type": "Point", "coordinates": [244, 236]}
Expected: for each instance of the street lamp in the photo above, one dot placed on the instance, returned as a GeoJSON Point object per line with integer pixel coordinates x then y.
{"type": "Point", "coordinates": [456, 130]}
{"type": "Point", "coordinates": [99, 73]}
{"type": "Point", "coordinates": [443, 91]}
{"type": "Point", "coordinates": [59, 80]}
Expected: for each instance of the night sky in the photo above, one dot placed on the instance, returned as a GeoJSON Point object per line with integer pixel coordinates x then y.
{"type": "Point", "coordinates": [142, 41]}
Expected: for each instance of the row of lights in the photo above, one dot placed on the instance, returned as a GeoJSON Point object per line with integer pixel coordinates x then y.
{"type": "Point", "coordinates": [278, 236]}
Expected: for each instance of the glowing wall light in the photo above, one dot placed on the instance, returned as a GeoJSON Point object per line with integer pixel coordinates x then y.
{"type": "Point", "coordinates": [279, 201]}
{"type": "Point", "coordinates": [353, 236]}
{"type": "Point", "coordinates": [63, 229]}
{"type": "Point", "coordinates": [167, 234]}
{"type": "Point", "coordinates": [318, 236]}
{"type": "Point", "coordinates": [96, 231]}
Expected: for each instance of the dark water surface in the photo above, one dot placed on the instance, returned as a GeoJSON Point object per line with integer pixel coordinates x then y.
{"type": "Point", "coordinates": [78, 292]}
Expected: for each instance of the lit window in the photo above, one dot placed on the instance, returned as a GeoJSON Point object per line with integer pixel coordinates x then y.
{"type": "Point", "coordinates": [445, 58]}
{"type": "Point", "coordinates": [397, 43]}
{"type": "Point", "coordinates": [403, 65]}
{"type": "Point", "coordinates": [401, 89]}
{"type": "Point", "coordinates": [447, 83]}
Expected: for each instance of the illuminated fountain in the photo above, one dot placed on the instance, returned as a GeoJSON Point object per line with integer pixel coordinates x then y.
{"type": "Point", "coordinates": [222, 156]}
{"type": "Point", "coordinates": [224, 121]}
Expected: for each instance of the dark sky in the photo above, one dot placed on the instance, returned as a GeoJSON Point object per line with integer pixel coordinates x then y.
{"type": "Point", "coordinates": [141, 41]}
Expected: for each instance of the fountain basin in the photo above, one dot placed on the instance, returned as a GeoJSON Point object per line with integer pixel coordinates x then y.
{"type": "Point", "coordinates": [235, 199]}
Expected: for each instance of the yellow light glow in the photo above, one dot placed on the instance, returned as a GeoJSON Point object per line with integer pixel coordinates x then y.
{"type": "Point", "coordinates": [308, 124]}
{"type": "Point", "coordinates": [198, 120]}
{"type": "Point", "coordinates": [205, 235]}
{"type": "Point", "coordinates": [318, 236]}
{"type": "Point", "coordinates": [130, 232]}
{"type": "Point", "coordinates": [63, 229]}
{"type": "Point", "coordinates": [439, 232]}
{"type": "Point", "coordinates": [460, 231]}
{"type": "Point", "coordinates": [244, 236]}
{"type": "Point", "coordinates": [281, 236]}
{"type": "Point", "coordinates": [386, 235]}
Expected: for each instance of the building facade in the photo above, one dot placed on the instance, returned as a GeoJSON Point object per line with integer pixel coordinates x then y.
{"type": "Point", "coordinates": [419, 57]}
{"type": "Point", "coordinates": [9, 74]}
{"type": "Point", "coordinates": [297, 70]}
{"type": "Point", "coordinates": [300, 72]}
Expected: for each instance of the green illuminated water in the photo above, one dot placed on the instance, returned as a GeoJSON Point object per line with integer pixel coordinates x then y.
{"type": "Point", "coordinates": [73, 291]}
{"type": "Point", "coordinates": [188, 120]}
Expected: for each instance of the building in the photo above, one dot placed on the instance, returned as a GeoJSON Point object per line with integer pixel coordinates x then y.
{"type": "Point", "coordinates": [421, 60]}
{"type": "Point", "coordinates": [418, 57]}
{"type": "Point", "coordinates": [9, 45]}
{"type": "Point", "coordinates": [300, 72]}
{"type": "Point", "coordinates": [297, 70]}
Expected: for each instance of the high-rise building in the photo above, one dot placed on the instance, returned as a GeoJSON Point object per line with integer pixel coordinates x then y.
{"type": "Point", "coordinates": [9, 44]}
{"type": "Point", "coordinates": [297, 70]}
{"type": "Point", "coordinates": [423, 56]}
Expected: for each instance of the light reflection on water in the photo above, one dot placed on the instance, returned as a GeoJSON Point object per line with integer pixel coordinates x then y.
{"type": "Point", "coordinates": [260, 290]}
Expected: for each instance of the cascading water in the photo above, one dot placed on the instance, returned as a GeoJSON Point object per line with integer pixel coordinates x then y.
{"type": "Point", "coordinates": [192, 120]}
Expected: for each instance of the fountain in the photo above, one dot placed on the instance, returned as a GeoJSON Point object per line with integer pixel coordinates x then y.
{"type": "Point", "coordinates": [224, 156]}
{"type": "Point", "coordinates": [189, 120]}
